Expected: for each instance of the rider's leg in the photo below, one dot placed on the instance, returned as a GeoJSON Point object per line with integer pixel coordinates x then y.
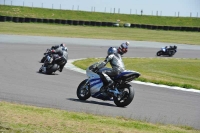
{"type": "Point", "coordinates": [106, 76]}
{"type": "Point", "coordinates": [62, 66]}
{"type": "Point", "coordinates": [109, 81]}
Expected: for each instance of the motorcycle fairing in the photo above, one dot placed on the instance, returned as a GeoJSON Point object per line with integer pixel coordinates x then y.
{"type": "Point", "coordinates": [95, 85]}
{"type": "Point", "coordinates": [163, 49]}
{"type": "Point", "coordinates": [95, 81]}
{"type": "Point", "coordinates": [99, 95]}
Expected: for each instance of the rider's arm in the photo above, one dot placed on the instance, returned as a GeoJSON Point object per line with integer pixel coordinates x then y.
{"type": "Point", "coordinates": [107, 59]}
{"type": "Point", "coordinates": [55, 47]}
{"type": "Point", "coordinates": [55, 51]}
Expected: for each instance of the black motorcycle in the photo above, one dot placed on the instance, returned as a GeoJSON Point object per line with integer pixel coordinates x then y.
{"type": "Point", "coordinates": [52, 65]}
{"type": "Point", "coordinates": [167, 51]}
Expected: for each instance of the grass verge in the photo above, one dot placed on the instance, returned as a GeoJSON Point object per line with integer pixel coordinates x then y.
{"type": "Point", "coordinates": [20, 11]}
{"type": "Point", "coordinates": [100, 32]}
{"type": "Point", "coordinates": [21, 118]}
{"type": "Point", "coordinates": [173, 72]}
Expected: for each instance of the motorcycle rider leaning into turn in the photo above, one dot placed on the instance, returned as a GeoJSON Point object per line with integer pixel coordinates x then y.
{"type": "Point", "coordinates": [115, 59]}
{"type": "Point", "coordinates": [170, 47]}
{"type": "Point", "coordinates": [58, 51]}
{"type": "Point", "coordinates": [123, 48]}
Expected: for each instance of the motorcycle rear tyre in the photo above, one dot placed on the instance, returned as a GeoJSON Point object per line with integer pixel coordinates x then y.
{"type": "Point", "coordinates": [170, 53]}
{"type": "Point", "coordinates": [129, 98]}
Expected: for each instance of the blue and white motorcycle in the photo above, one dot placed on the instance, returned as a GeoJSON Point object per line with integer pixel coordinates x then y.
{"type": "Point", "coordinates": [167, 51]}
{"type": "Point", "coordinates": [122, 94]}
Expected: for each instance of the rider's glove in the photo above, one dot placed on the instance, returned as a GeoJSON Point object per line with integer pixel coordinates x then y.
{"type": "Point", "coordinates": [95, 69]}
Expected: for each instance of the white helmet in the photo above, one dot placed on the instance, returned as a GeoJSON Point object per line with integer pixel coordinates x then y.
{"type": "Point", "coordinates": [127, 43]}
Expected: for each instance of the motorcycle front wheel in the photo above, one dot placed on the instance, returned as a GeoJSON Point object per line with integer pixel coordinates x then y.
{"type": "Point", "coordinates": [83, 90]}
{"type": "Point", "coordinates": [126, 97]}
{"type": "Point", "coordinates": [43, 59]}
{"type": "Point", "coordinates": [159, 53]}
{"type": "Point", "coordinates": [52, 69]}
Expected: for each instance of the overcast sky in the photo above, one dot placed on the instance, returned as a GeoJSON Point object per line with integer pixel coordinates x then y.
{"type": "Point", "coordinates": [149, 7]}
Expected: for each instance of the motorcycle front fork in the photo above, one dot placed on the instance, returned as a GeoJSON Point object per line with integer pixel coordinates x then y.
{"type": "Point", "coordinates": [86, 84]}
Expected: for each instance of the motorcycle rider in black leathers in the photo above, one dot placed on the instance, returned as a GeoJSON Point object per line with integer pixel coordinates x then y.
{"type": "Point", "coordinates": [115, 59]}
{"type": "Point", "coordinates": [57, 52]}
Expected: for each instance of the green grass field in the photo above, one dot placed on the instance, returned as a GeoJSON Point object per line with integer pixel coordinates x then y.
{"type": "Point", "coordinates": [112, 33]}
{"type": "Point", "coordinates": [96, 16]}
{"type": "Point", "coordinates": [16, 118]}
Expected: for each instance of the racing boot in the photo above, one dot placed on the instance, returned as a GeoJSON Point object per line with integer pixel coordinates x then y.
{"type": "Point", "coordinates": [61, 68]}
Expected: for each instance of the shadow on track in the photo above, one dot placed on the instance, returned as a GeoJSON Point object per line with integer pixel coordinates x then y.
{"type": "Point", "coordinates": [46, 74]}
{"type": "Point", "coordinates": [93, 102]}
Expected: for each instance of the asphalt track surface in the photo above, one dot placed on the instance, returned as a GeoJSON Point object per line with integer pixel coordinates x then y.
{"type": "Point", "coordinates": [21, 82]}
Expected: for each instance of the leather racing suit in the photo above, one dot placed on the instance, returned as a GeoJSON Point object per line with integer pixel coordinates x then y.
{"type": "Point", "coordinates": [123, 48]}
{"type": "Point", "coordinates": [58, 53]}
{"type": "Point", "coordinates": [117, 67]}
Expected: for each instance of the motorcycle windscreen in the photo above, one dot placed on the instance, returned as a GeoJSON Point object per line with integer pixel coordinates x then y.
{"type": "Point", "coordinates": [163, 49]}
{"type": "Point", "coordinates": [95, 85]}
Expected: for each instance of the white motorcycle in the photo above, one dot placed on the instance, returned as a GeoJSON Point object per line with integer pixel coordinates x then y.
{"type": "Point", "coordinates": [122, 94]}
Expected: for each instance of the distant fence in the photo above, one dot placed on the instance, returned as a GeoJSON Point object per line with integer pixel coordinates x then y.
{"type": "Point", "coordinates": [93, 9]}
{"type": "Point", "coordinates": [94, 23]}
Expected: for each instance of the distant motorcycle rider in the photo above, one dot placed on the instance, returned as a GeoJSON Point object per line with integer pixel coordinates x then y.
{"type": "Point", "coordinates": [123, 48]}
{"type": "Point", "coordinates": [170, 48]}
{"type": "Point", "coordinates": [57, 52]}
{"type": "Point", "coordinates": [114, 57]}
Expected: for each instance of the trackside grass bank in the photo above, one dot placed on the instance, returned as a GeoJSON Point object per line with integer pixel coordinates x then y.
{"type": "Point", "coordinates": [100, 32]}
{"type": "Point", "coordinates": [173, 72]}
{"type": "Point", "coordinates": [20, 11]}
{"type": "Point", "coordinates": [16, 118]}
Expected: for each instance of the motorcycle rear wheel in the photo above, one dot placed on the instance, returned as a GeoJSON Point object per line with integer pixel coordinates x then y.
{"type": "Point", "coordinates": [82, 92]}
{"type": "Point", "coordinates": [170, 53]}
{"type": "Point", "coordinates": [127, 96]}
